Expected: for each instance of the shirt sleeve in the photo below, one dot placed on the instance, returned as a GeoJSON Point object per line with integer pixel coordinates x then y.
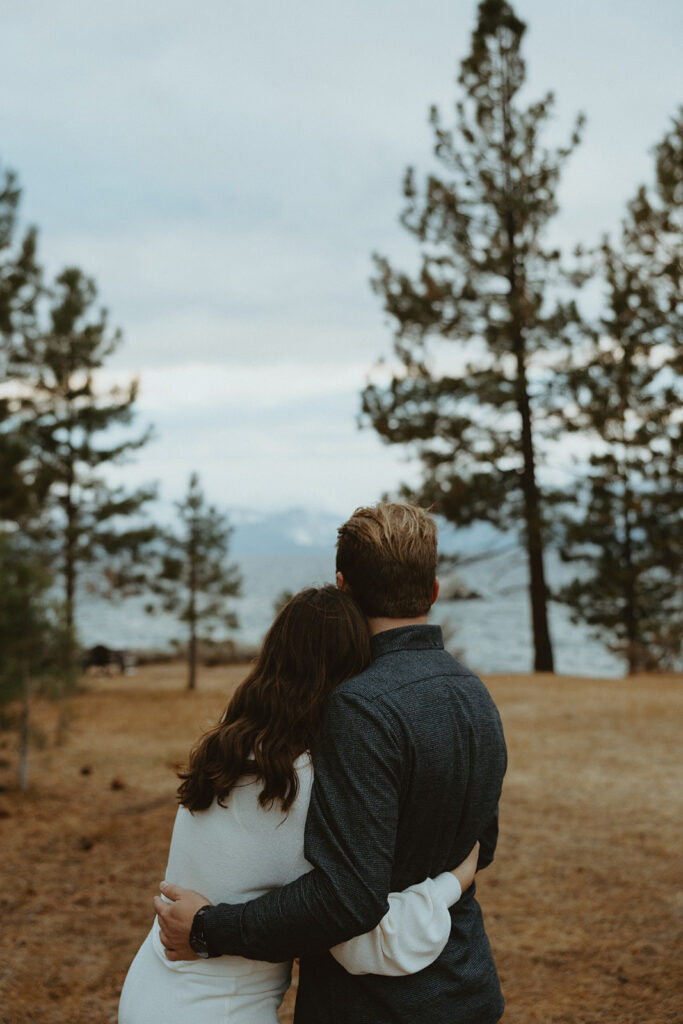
{"type": "Point", "coordinates": [488, 841]}
{"type": "Point", "coordinates": [410, 936]}
{"type": "Point", "coordinates": [350, 838]}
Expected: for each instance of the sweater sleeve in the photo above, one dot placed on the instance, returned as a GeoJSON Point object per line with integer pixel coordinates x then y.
{"type": "Point", "coordinates": [350, 839]}
{"type": "Point", "coordinates": [410, 936]}
{"type": "Point", "coordinates": [488, 840]}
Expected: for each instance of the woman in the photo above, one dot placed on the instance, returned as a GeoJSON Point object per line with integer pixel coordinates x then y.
{"type": "Point", "coordinates": [239, 831]}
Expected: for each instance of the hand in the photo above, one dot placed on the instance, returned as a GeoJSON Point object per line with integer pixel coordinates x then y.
{"type": "Point", "coordinates": [175, 919]}
{"type": "Point", "coordinates": [465, 871]}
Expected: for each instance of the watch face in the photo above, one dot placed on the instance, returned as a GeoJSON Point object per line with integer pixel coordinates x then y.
{"type": "Point", "coordinates": [199, 947]}
{"type": "Point", "coordinates": [197, 940]}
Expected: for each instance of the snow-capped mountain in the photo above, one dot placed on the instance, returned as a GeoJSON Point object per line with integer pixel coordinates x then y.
{"type": "Point", "coordinates": [282, 533]}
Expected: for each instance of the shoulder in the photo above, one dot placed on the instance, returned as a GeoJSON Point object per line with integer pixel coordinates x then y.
{"type": "Point", "coordinates": [355, 720]}
{"type": "Point", "coordinates": [389, 676]}
{"type": "Point", "coordinates": [397, 692]}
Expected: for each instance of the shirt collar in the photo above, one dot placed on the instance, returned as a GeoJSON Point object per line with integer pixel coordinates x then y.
{"type": "Point", "coordinates": [407, 638]}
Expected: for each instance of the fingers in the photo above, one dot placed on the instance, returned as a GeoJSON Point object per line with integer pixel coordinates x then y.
{"type": "Point", "coordinates": [171, 892]}
{"type": "Point", "coordinates": [169, 950]}
{"type": "Point", "coordinates": [162, 909]}
{"type": "Point", "coordinates": [160, 906]}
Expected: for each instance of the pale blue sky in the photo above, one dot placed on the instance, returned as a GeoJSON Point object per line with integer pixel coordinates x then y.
{"type": "Point", "coordinates": [225, 169]}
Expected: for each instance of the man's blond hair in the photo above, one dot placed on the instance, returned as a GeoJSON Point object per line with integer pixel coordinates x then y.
{"type": "Point", "coordinates": [387, 556]}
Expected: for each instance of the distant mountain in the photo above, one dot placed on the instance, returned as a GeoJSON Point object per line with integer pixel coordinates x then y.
{"type": "Point", "coordinates": [288, 550]}
{"type": "Point", "coordinates": [282, 533]}
{"type": "Point", "coordinates": [298, 530]}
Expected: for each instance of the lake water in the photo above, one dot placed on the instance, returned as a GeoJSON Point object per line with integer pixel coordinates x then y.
{"type": "Point", "coordinates": [493, 634]}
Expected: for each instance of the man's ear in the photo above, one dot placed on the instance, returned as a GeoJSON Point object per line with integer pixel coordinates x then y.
{"type": "Point", "coordinates": [342, 584]}
{"type": "Point", "coordinates": [435, 589]}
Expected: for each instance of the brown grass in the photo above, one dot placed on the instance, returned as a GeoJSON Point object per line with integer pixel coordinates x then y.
{"type": "Point", "coordinates": [583, 904]}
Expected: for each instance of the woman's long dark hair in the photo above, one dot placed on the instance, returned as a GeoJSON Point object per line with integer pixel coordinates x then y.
{"type": "Point", "coordinates": [319, 639]}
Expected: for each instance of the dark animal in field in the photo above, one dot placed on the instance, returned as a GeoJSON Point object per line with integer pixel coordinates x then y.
{"type": "Point", "coordinates": [104, 659]}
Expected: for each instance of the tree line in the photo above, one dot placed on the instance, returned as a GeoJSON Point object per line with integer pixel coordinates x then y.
{"type": "Point", "coordinates": [498, 371]}
{"type": "Point", "coordinates": [61, 519]}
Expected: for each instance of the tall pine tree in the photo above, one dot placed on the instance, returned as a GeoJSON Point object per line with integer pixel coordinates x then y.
{"type": "Point", "coordinates": [626, 522]}
{"type": "Point", "coordinates": [71, 426]}
{"type": "Point", "coordinates": [195, 580]}
{"type": "Point", "coordinates": [476, 332]}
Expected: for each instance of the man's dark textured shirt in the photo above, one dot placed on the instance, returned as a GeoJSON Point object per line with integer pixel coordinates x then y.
{"type": "Point", "coordinates": [408, 774]}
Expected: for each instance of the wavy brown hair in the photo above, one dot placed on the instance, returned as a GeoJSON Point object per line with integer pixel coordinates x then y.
{"type": "Point", "coordinates": [319, 639]}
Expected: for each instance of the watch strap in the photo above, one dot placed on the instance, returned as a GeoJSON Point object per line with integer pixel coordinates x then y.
{"type": "Point", "coordinates": [197, 938]}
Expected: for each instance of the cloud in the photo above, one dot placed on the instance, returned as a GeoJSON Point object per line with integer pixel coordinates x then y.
{"type": "Point", "coordinates": [202, 387]}
{"type": "Point", "coordinates": [283, 437]}
{"type": "Point", "coordinates": [225, 170]}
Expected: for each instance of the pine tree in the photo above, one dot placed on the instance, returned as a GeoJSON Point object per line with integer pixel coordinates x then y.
{"type": "Point", "coordinates": [20, 288]}
{"type": "Point", "coordinates": [625, 525]}
{"type": "Point", "coordinates": [476, 333]}
{"type": "Point", "coordinates": [65, 421]}
{"type": "Point", "coordinates": [33, 644]}
{"type": "Point", "coordinates": [195, 579]}
{"type": "Point", "coordinates": [652, 233]}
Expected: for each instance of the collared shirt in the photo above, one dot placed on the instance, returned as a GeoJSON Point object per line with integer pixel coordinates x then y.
{"type": "Point", "coordinates": [408, 774]}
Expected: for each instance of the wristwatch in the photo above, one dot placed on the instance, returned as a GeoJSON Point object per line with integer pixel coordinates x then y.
{"type": "Point", "coordinates": [197, 940]}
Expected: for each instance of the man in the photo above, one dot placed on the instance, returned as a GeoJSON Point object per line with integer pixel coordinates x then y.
{"type": "Point", "coordinates": [408, 774]}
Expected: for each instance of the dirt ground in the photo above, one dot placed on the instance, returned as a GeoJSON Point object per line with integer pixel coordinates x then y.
{"type": "Point", "coordinates": [583, 904]}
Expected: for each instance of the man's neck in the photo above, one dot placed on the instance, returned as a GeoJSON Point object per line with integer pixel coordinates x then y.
{"type": "Point", "coordinates": [381, 625]}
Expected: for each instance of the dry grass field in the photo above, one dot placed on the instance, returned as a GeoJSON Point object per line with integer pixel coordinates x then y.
{"type": "Point", "coordinates": [583, 904]}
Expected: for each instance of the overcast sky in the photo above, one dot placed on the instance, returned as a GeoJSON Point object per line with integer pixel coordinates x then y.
{"type": "Point", "coordinates": [225, 169]}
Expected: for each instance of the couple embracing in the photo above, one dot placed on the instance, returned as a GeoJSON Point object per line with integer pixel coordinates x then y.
{"type": "Point", "coordinates": [337, 813]}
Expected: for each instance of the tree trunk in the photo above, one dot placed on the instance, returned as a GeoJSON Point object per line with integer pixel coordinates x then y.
{"type": "Point", "coordinates": [538, 591]}
{"type": "Point", "coordinates": [192, 659]}
{"type": "Point", "coordinates": [192, 652]}
{"type": "Point", "coordinates": [70, 573]}
{"type": "Point", "coordinates": [634, 650]}
{"type": "Point", "coordinates": [23, 734]}
{"type": "Point", "coordinates": [70, 577]}
{"type": "Point", "coordinates": [70, 556]}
